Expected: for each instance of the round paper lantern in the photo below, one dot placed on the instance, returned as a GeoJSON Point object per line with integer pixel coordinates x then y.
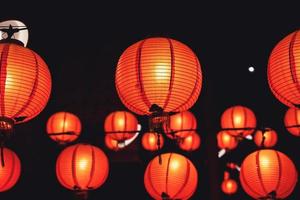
{"type": "Point", "coordinates": [283, 70]}
{"type": "Point", "coordinates": [191, 142]}
{"type": "Point", "coordinates": [150, 141]}
{"type": "Point", "coordinates": [82, 167]}
{"type": "Point", "coordinates": [229, 186]}
{"type": "Point", "coordinates": [226, 141]}
{"type": "Point", "coordinates": [120, 125]}
{"type": "Point", "coordinates": [238, 121]}
{"type": "Point", "coordinates": [10, 171]}
{"type": "Point", "coordinates": [25, 83]}
{"type": "Point", "coordinates": [265, 138]}
{"type": "Point", "coordinates": [268, 174]}
{"type": "Point", "coordinates": [180, 125]}
{"type": "Point", "coordinates": [174, 178]}
{"type": "Point", "coordinates": [159, 71]}
{"type": "Point", "coordinates": [292, 121]}
{"type": "Point", "coordinates": [111, 143]}
{"type": "Point", "coordinates": [63, 127]}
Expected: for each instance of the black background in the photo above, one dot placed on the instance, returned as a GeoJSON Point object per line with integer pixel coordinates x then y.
{"type": "Point", "coordinates": [81, 43]}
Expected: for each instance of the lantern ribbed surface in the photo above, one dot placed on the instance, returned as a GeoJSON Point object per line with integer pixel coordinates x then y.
{"type": "Point", "coordinates": [226, 141]}
{"type": "Point", "coordinates": [150, 141]}
{"type": "Point", "coordinates": [191, 142]}
{"type": "Point", "coordinates": [284, 68]}
{"type": "Point", "coordinates": [292, 121]}
{"type": "Point", "coordinates": [176, 177]}
{"type": "Point", "coordinates": [10, 173]}
{"type": "Point", "coordinates": [240, 119]}
{"type": "Point", "coordinates": [266, 138]}
{"type": "Point", "coordinates": [159, 71]}
{"type": "Point", "coordinates": [82, 167]}
{"type": "Point", "coordinates": [266, 171]}
{"type": "Point", "coordinates": [229, 186]}
{"type": "Point", "coordinates": [63, 127]}
{"type": "Point", "coordinates": [25, 83]}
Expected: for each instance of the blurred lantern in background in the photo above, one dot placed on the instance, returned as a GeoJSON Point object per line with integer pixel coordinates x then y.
{"type": "Point", "coordinates": [63, 127]}
{"type": "Point", "coordinates": [229, 186]}
{"type": "Point", "coordinates": [152, 141]}
{"type": "Point", "coordinates": [292, 121]}
{"type": "Point", "coordinates": [226, 141]}
{"type": "Point", "coordinates": [190, 142]}
{"type": "Point", "coordinates": [268, 174]}
{"type": "Point", "coordinates": [265, 138]}
{"type": "Point", "coordinates": [111, 143]}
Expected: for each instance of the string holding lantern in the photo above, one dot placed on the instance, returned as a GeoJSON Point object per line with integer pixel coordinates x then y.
{"type": "Point", "coordinates": [265, 138]}
{"type": "Point", "coordinates": [152, 141]}
{"type": "Point", "coordinates": [292, 121]}
{"type": "Point", "coordinates": [190, 142]}
{"type": "Point", "coordinates": [229, 186]}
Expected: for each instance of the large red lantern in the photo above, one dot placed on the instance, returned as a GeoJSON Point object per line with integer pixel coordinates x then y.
{"type": "Point", "coordinates": [121, 125]}
{"type": "Point", "coordinates": [175, 177]}
{"type": "Point", "coordinates": [265, 138]}
{"type": "Point", "coordinates": [226, 141]}
{"type": "Point", "coordinates": [180, 125]}
{"type": "Point", "coordinates": [191, 142]}
{"type": "Point", "coordinates": [63, 127]}
{"type": "Point", "coordinates": [158, 71]}
{"type": "Point", "coordinates": [82, 167]}
{"type": "Point", "coordinates": [152, 141]}
{"type": "Point", "coordinates": [238, 121]}
{"type": "Point", "coordinates": [229, 186]}
{"type": "Point", "coordinates": [268, 174]}
{"type": "Point", "coordinates": [283, 70]}
{"type": "Point", "coordinates": [10, 170]}
{"type": "Point", "coordinates": [292, 121]}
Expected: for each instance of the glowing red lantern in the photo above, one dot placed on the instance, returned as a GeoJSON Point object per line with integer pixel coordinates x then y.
{"type": "Point", "coordinates": [174, 178]}
{"type": "Point", "coordinates": [150, 141]}
{"type": "Point", "coordinates": [238, 121]}
{"type": "Point", "coordinates": [180, 125]}
{"type": "Point", "coordinates": [268, 174]}
{"type": "Point", "coordinates": [283, 70]}
{"type": "Point", "coordinates": [265, 138]}
{"type": "Point", "coordinates": [292, 121]}
{"type": "Point", "coordinates": [10, 170]}
{"type": "Point", "coordinates": [63, 127]}
{"type": "Point", "coordinates": [191, 142]}
{"type": "Point", "coordinates": [226, 141]}
{"type": "Point", "coordinates": [155, 71]}
{"type": "Point", "coordinates": [120, 125]}
{"type": "Point", "coordinates": [229, 186]}
{"type": "Point", "coordinates": [111, 143]}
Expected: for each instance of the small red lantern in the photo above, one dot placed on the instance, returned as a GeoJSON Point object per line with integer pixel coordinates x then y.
{"type": "Point", "coordinates": [238, 121]}
{"type": "Point", "coordinates": [63, 127]}
{"type": "Point", "coordinates": [120, 125]}
{"type": "Point", "coordinates": [268, 174]}
{"type": "Point", "coordinates": [10, 170]}
{"type": "Point", "coordinates": [292, 121]}
{"type": "Point", "coordinates": [229, 186]}
{"type": "Point", "coordinates": [150, 141]}
{"type": "Point", "coordinates": [180, 125]}
{"type": "Point", "coordinates": [226, 141]}
{"type": "Point", "coordinates": [265, 138]}
{"type": "Point", "coordinates": [111, 143]}
{"type": "Point", "coordinates": [191, 142]}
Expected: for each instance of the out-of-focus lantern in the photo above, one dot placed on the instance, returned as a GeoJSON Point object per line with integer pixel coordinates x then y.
{"type": "Point", "coordinates": [152, 141]}
{"type": "Point", "coordinates": [111, 143]}
{"type": "Point", "coordinates": [229, 186]}
{"type": "Point", "coordinates": [292, 121]}
{"type": "Point", "coordinates": [191, 142]}
{"type": "Point", "coordinates": [174, 178]}
{"type": "Point", "coordinates": [63, 127]}
{"type": "Point", "coordinates": [268, 174]}
{"type": "Point", "coordinates": [226, 141]}
{"type": "Point", "coordinates": [265, 138]}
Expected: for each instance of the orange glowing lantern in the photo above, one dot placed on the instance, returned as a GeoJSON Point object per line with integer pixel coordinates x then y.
{"type": "Point", "coordinates": [268, 174]}
{"type": "Point", "coordinates": [238, 121]}
{"type": "Point", "coordinates": [265, 138]}
{"type": "Point", "coordinates": [174, 178]}
{"type": "Point", "coordinates": [226, 141]}
{"type": "Point", "coordinates": [82, 167]}
{"type": "Point", "coordinates": [120, 125]}
{"type": "Point", "coordinates": [292, 121]}
{"type": "Point", "coordinates": [63, 127]}
{"type": "Point", "coordinates": [10, 170]}
{"type": "Point", "coordinates": [111, 143]}
{"type": "Point", "coordinates": [158, 71]}
{"type": "Point", "coordinates": [283, 70]}
{"type": "Point", "coordinates": [191, 142]}
{"type": "Point", "coordinates": [152, 141]}
{"type": "Point", "coordinates": [229, 186]}
{"type": "Point", "coordinates": [180, 125]}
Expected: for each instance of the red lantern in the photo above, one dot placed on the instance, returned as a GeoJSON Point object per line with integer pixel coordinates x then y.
{"type": "Point", "coordinates": [10, 170]}
{"type": "Point", "coordinates": [82, 167]}
{"type": "Point", "coordinates": [150, 141]}
{"type": "Point", "coordinates": [268, 174]}
{"type": "Point", "coordinates": [265, 138]}
{"type": "Point", "coordinates": [191, 142]}
{"type": "Point", "coordinates": [292, 121]}
{"type": "Point", "coordinates": [180, 125]}
{"type": "Point", "coordinates": [111, 143]}
{"type": "Point", "coordinates": [120, 125]}
{"type": "Point", "coordinates": [175, 178]}
{"type": "Point", "coordinates": [226, 141]}
{"type": "Point", "coordinates": [283, 70]}
{"type": "Point", "coordinates": [63, 127]}
{"type": "Point", "coordinates": [238, 121]}
{"type": "Point", "coordinates": [25, 84]}
{"type": "Point", "coordinates": [158, 71]}
{"type": "Point", "coordinates": [229, 186]}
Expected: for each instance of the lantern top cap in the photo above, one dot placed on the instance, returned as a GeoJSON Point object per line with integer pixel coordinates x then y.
{"type": "Point", "coordinates": [13, 31]}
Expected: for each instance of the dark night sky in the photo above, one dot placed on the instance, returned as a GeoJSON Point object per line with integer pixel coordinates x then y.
{"type": "Point", "coordinates": [81, 44]}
